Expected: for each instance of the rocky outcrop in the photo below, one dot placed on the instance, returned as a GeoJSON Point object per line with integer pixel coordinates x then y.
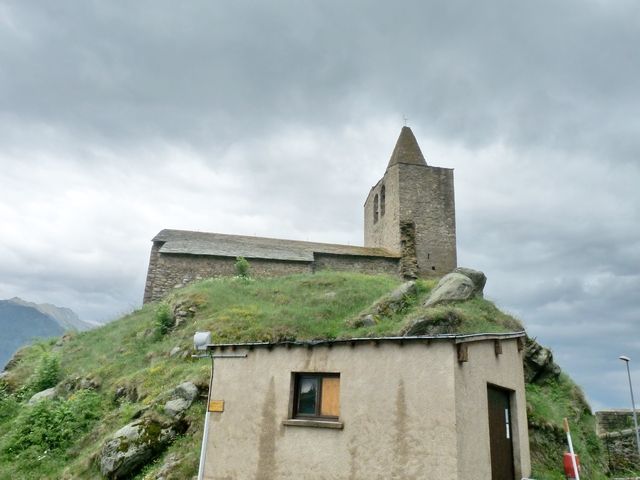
{"type": "Point", "coordinates": [478, 278]}
{"type": "Point", "coordinates": [143, 440]}
{"type": "Point", "coordinates": [538, 363]}
{"type": "Point", "coordinates": [125, 393]}
{"type": "Point", "coordinates": [461, 284]}
{"type": "Point", "coordinates": [182, 398]}
{"type": "Point", "coordinates": [183, 310]}
{"type": "Point", "coordinates": [170, 464]}
{"type": "Point", "coordinates": [397, 301]}
{"type": "Point", "coordinates": [135, 445]}
{"type": "Point", "coordinates": [71, 385]}
{"type": "Point", "coordinates": [433, 323]}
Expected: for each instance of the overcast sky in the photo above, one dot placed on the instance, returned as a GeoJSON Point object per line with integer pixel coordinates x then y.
{"type": "Point", "coordinates": [118, 119]}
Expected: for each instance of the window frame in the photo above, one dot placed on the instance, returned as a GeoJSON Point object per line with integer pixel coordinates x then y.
{"type": "Point", "coordinates": [295, 407]}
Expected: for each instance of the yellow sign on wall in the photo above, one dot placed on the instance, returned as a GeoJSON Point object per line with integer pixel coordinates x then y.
{"type": "Point", "coordinates": [216, 406]}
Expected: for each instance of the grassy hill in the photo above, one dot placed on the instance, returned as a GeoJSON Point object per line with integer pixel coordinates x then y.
{"type": "Point", "coordinates": [106, 377]}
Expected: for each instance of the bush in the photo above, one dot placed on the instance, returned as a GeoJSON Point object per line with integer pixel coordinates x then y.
{"type": "Point", "coordinates": [242, 267]}
{"type": "Point", "coordinates": [47, 374]}
{"type": "Point", "coordinates": [54, 424]}
{"type": "Point", "coordinates": [164, 319]}
{"type": "Point", "coordinates": [8, 403]}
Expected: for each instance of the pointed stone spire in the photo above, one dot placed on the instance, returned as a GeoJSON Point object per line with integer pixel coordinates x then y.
{"type": "Point", "coordinates": [407, 150]}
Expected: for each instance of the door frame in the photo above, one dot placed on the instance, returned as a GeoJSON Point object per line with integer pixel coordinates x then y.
{"type": "Point", "coordinates": [512, 425]}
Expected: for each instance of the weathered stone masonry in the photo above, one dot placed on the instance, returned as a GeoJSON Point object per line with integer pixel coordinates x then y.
{"type": "Point", "coordinates": [409, 231]}
{"type": "Point", "coordinates": [616, 430]}
{"type": "Point", "coordinates": [170, 268]}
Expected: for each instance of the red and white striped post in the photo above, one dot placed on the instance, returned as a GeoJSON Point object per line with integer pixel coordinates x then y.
{"type": "Point", "coordinates": [574, 464]}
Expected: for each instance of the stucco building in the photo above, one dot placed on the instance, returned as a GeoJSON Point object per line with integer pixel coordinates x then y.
{"type": "Point", "coordinates": [448, 407]}
{"type": "Point", "coordinates": [409, 230]}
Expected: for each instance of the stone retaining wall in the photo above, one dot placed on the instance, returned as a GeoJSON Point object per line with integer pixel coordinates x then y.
{"type": "Point", "coordinates": [615, 429]}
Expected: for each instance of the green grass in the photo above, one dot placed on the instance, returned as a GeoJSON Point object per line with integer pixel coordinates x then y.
{"type": "Point", "coordinates": [129, 351]}
{"type": "Point", "coordinates": [134, 351]}
{"type": "Point", "coordinates": [548, 404]}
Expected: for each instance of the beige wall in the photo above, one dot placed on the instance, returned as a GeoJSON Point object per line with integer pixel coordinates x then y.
{"type": "Point", "coordinates": [397, 405]}
{"type": "Point", "coordinates": [400, 406]}
{"type": "Point", "coordinates": [472, 377]}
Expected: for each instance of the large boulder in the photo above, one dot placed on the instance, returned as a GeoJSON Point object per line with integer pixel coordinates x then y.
{"type": "Point", "coordinates": [181, 399]}
{"type": "Point", "coordinates": [395, 302]}
{"type": "Point", "coordinates": [433, 323]}
{"type": "Point", "coordinates": [48, 394]}
{"type": "Point", "coordinates": [538, 363]}
{"type": "Point", "coordinates": [135, 445]}
{"type": "Point", "coordinates": [187, 391]}
{"type": "Point", "coordinates": [461, 284]}
{"type": "Point", "coordinates": [478, 278]}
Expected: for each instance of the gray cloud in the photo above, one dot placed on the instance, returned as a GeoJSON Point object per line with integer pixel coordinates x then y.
{"type": "Point", "coordinates": [119, 119]}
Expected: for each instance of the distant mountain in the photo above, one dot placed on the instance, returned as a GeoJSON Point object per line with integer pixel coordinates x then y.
{"type": "Point", "coordinates": [21, 322]}
{"type": "Point", "coordinates": [65, 317]}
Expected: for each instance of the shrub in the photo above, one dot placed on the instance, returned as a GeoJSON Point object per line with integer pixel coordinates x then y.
{"type": "Point", "coordinates": [164, 319]}
{"type": "Point", "coordinates": [8, 403]}
{"type": "Point", "coordinates": [47, 374]}
{"type": "Point", "coordinates": [242, 267]}
{"type": "Point", "coordinates": [54, 424]}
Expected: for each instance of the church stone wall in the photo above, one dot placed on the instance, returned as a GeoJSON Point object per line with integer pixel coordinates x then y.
{"type": "Point", "coordinates": [385, 232]}
{"type": "Point", "coordinates": [419, 221]}
{"type": "Point", "coordinates": [427, 199]}
{"type": "Point", "coordinates": [169, 271]}
{"type": "Point", "coordinates": [353, 263]}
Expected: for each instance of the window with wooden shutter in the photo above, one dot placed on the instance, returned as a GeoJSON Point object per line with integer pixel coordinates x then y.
{"type": "Point", "coordinates": [316, 395]}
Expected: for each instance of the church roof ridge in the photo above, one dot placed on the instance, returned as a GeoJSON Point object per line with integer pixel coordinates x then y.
{"type": "Point", "coordinates": [407, 150]}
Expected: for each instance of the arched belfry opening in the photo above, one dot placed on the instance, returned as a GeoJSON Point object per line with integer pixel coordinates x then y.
{"type": "Point", "coordinates": [375, 209]}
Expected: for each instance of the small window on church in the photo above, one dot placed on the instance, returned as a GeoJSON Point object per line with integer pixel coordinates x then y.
{"type": "Point", "coordinates": [382, 198]}
{"type": "Point", "coordinates": [375, 208]}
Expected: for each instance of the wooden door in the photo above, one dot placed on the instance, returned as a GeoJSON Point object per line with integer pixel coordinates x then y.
{"type": "Point", "coordinates": [500, 434]}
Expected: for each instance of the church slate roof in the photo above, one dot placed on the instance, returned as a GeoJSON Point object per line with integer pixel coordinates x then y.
{"type": "Point", "coordinates": [407, 150]}
{"type": "Point", "coordinates": [221, 245]}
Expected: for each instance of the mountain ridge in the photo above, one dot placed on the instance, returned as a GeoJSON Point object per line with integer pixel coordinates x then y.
{"type": "Point", "coordinates": [65, 317]}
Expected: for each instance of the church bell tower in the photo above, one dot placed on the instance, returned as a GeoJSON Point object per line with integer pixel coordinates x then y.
{"type": "Point", "coordinates": [411, 211]}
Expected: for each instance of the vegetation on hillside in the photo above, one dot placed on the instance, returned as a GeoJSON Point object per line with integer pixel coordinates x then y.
{"type": "Point", "coordinates": [148, 352]}
{"type": "Point", "coordinates": [548, 403]}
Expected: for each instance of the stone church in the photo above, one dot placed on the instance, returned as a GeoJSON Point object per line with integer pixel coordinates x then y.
{"type": "Point", "coordinates": [409, 230]}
